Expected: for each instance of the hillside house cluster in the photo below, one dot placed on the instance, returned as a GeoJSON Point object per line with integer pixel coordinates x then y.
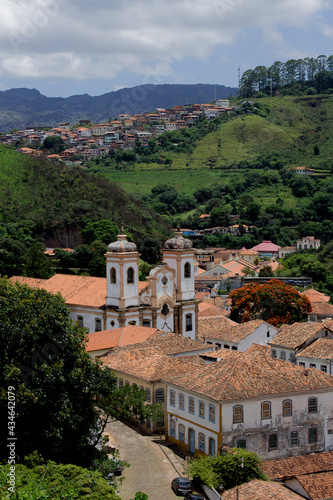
{"type": "Point", "coordinates": [88, 140]}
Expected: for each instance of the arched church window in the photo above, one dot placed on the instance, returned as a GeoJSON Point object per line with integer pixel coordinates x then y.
{"type": "Point", "coordinates": [187, 270]}
{"type": "Point", "coordinates": [130, 275]}
{"type": "Point", "coordinates": [98, 325]}
{"type": "Point", "coordinates": [113, 275]}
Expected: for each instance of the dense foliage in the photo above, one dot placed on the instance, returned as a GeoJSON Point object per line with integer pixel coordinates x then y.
{"type": "Point", "coordinates": [50, 480]}
{"type": "Point", "coordinates": [236, 467]}
{"type": "Point", "coordinates": [295, 76]}
{"type": "Point", "coordinates": [56, 384]}
{"type": "Point", "coordinates": [273, 301]}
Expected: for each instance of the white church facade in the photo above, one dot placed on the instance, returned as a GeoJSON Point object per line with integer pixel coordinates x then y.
{"type": "Point", "coordinates": [165, 301]}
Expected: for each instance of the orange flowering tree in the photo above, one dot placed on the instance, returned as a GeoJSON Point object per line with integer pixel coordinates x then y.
{"type": "Point", "coordinates": [273, 301]}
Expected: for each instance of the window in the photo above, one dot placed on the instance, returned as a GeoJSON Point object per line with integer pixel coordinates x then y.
{"type": "Point", "coordinates": [121, 383]}
{"type": "Point", "coordinates": [181, 402]}
{"type": "Point", "coordinates": [160, 422]}
{"type": "Point", "coordinates": [159, 395]}
{"type": "Point", "coordinates": [188, 322]}
{"type": "Point", "coordinates": [241, 443]}
{"type": "Point", "coordinates": [301, 363]}
{"type": "Point", "coordinates": [172, 398]}
{"type": "Point", "coordinates": [113, 275]}
{"type": "Point", "coordinates": [187, 270]}
{"type": "Point", "coordinates": [212, 447]}
{"type": "Point", "coordinates": [266, 410]}
{"type": "Point", "coordinates": [211, 413]}
{"type": "Point", "coordinates": [127, 382]}
{"type": "Point", "coordinates": [146, 322]}
{"type": "Point", "coordinates": [273, 353]}
{"type": "Point", "coordinates": [313, 365]}
{"type": "Point", "coordinates": [130, 275]}
{"type": "Point", "coordinates": [313, 435]}
{"type": "Point", "coordinates": [323, 368]}
{"type": "Point", "coordinates": [132, 322]}
{"type": "Point", "coordinates": [312, 405]}
{"type": "Point", "coordinates": [237, 414]}
{"type": "Point", "coordinates": [172, 428]}
{"type": "Point", "coordinates": [181, 432]}
{"type": "Point", "coordinates": [201, 442]}
{"type": "Point", "coordinates": [226, 346]}
{"type": "Point", "coordinates": [287, 408]}
{"type": "Point", "coordinates": [148, 395]}
{"type": "Point", "coordinates": [292, 358]}
{"type": "Point", "coordinates": [80, 321]}
{"type": "Point", "coordinates": [165, 310]}
{"type": "Point", "coordinates": [98, 325]}
{"type": "Point", "coordinates": [283, 355]}
{"type": "Point", "coordinates": [201, 409]}
{"type": "Point", "coordinates": [234, 348]}
{"type": "Point", "coordinates": [272, 442]}
{"type": "Point", "coordinates": [294, 438]}
{"type": "Point", "coordinates": [191, 405]}
{"type": "Point", "coordinates": [112, 323]}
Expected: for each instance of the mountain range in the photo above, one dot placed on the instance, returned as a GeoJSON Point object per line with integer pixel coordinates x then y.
{"type": "Point", "coordinates": [23, 107]}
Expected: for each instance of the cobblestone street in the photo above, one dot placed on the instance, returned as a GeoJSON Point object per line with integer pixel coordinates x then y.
{"type": "Point", "coordinates": [152, 464]}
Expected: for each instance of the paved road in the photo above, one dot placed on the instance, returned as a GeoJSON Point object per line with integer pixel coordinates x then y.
{"type": "Point", "coordinates": [152, 465]}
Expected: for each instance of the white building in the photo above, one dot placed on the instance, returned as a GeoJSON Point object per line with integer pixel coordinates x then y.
{"type": "Point", "coordinates": [307, 243]}
{"type": "Point", "coordinates": [253, 401]}
{"type": "Point", "coordinates": [165, 301]}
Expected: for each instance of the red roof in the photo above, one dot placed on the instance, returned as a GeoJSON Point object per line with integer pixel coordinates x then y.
{"type": "Point", "coordinates": [266, 246]}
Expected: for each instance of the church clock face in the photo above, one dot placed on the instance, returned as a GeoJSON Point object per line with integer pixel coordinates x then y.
{"type": "Point", "coordinates": [165, 310]}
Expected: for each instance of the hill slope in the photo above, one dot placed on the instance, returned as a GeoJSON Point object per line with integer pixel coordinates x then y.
{"type": "Point", "coordinates": [20, 108]}
{"type": "Point", "coordinates": [58, 200]}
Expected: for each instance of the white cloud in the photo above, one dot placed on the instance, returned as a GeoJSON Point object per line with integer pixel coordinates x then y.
{"type": "Point", "coordinates": [100, 39]}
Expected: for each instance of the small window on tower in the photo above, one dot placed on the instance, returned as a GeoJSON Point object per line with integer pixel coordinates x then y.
{"type": "Point", "coordinates": [113, 275]}
{"type": "Point", "coordinates": [130, 275]}
{"type": "Point", "coordinates": [187, 270]}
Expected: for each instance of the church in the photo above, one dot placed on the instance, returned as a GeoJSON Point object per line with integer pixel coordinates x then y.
{"type": "Point", "coordinates": [165, 301]}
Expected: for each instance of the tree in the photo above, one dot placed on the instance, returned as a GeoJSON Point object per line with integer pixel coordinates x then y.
{"type": "Point", "coordinates": [237, 466]}
{"type": "Point", "coordinates": [36, 263]}
{"type": "Point", "coordinates": [150, 250]}
{"type": "Point", "coordinates": [44, 362]}
{"type": "Point", "coordinates": [266, 272]}
{"type": "Point", "coordinates": [274, 302]}
{"type": "Point", "coordinates": [54, 143]}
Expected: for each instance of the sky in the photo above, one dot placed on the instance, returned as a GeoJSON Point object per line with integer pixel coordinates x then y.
{"type": "Point", "coordinates": [69, 47]}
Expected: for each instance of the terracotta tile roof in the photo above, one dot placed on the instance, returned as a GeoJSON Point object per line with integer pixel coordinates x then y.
{"type": "Point", "coordinates": [315, 296]}
{"type": "Point", "coordinates": [261, 490]}
{"type": "Point", "coordinates": [242, 377]}
{"type": "Point", "coordinates": [148, 365]}
{"type": "Point", "coordinates": [213, 311]}
{"type": "Point", "coordinates": [318, 486]}
{"type": "Point", "coordinates": [293, 336]}
{"type": "Point", "coordinates": [232, 332]}
{"type": "Point", "coordinates": [131, 334]}
{"type": "Point", "coordinates": [320, 348]}
{"type": "Point", "coordinates": [207, 278]}
{"type": "Point", "coordinates": [297, 466]}
{"type": "Point", "coordinates": [322, 308]}
{"type": "Point", "coordinates": [213, 327]}
{"type": "Point", "coordinates": [171, 344]}
{"type": "Point", "coordinates": [218, 301]}
{"type": "Point", "coordinates": [201, 295]}
{"type": "Point", "coordinates": [82, 290]}
{"type": "Point", "coordinates": [266, 246]}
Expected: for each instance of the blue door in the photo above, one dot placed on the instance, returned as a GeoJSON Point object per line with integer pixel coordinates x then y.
{"type": "Point", "coordinates": [191, 439]}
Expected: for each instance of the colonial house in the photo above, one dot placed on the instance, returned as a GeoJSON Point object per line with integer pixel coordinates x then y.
{"type": "Point", "coordinates": [292, 339]}
{"type": "Point", "coordinates": [165, 301]}
{"type": "Point", "coordinates": [250, 400]}
{"type": "Point", "coordinates": [311, 476]}
{"type": "Point", "coordinates": [148, 364]}
{"type": "Point", "coordinates": [238, 337]}
{"type": "Point", "coordinates": [319, 355]}
{"type": "Point", "coordinates": [307, 243]}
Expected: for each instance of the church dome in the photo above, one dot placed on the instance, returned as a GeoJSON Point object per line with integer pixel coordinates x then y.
{"type": "Point", "coordinates": [122, 245]}
{"type": "Point", "coordinates": [178, 242]}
